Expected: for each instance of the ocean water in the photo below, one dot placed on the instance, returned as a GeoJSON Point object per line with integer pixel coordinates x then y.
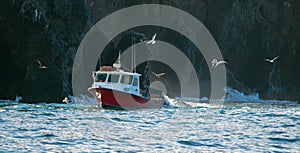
{"type": "Point", "coordinates": [231, 127]}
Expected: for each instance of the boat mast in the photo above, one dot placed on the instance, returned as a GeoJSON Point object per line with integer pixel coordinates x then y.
{"type": "Point", "coordinates": [119, 58]}
{"type": "Point", "coordinates": [134, 62]}
{"type": "Point", "coordinates": [99, 61]}
{"type": "Point", "coordinates": [117, 65]}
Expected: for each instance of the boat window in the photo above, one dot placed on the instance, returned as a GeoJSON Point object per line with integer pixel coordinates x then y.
{"type": "Point", "coordinates": [126, 79]}
{"type": "Point", "coordinates": [135, 82]}
{"type": "Point", "coordinates": [100, 77]}
{"type": "Point", "coordinates": [113, 78]}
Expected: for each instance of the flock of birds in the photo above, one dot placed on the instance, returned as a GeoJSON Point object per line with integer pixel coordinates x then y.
{"type": "Point", "coordinates": [214, 63]}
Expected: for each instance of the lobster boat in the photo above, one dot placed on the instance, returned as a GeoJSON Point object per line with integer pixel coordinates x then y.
{"type": "Point", "coordinates": [114, 88]}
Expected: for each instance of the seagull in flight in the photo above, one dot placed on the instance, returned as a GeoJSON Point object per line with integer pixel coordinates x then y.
{"type": "Point", "coordinates": [41, 66]}
{"type": "Point", "coordinates": [158, 75]}
{"type": "Point", "coordinates": [36, 13]}
{"type": "Point", "coordinates": [152, 41]}
{"type": "Point", "coordinates": [215, 63]}
{"type": "Point", "coordinates": [66, 100]}
{"type": "Point", "coordinates": [271, 60]}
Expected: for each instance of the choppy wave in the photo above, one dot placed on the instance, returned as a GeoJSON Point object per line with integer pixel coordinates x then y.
{"type": "Point", "coordinates": [232, 95]}
{"type": "Point", "coordinates": [82, 99]}
{"type": "Point", "coordinates": [85, 128]}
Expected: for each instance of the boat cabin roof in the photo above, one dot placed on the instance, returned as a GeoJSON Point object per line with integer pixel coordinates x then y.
{"type": "Point", "coordinates": [118, 72]}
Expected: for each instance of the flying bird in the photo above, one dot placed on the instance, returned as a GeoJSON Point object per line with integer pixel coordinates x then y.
{"type": "Point", "coordinates": [36, 12]}
{"type": "Point", "coordinates": [41, 66]}
{"type": "Point", "coordinates": [66, 100]}
{"type": "Point", "coordinates": [158, 75]}
{"type": "Point", "coordinates": [215, 63]}
{"type": "Point", "coordinates": [271, 60]}
{"type": "Point", "coordinates": [152, 41]}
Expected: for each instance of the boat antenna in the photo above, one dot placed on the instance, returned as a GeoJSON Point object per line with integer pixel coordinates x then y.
{"type": "Point", "coordinates": [99, 63]}
{"type": "Point", "coordinates": [119, 58]}
{"type": "Point", "coordinates": [134, 62]}
{"type": "Point", "coordinates": [132, 54]}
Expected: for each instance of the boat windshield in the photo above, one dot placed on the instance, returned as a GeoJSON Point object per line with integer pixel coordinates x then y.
{"type": "Point", "coordinates": [100, 77]}
{"type": "Point", "coordinates": [126, 79]}
{"type": "Point", "coordinates": [113, 78]}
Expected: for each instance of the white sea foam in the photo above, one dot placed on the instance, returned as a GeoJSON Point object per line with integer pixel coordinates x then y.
{"type": "Point", "coordinates": [18, 98]}
{"type": "Point", "coordinates": [232, 95]}
{"type": "Point", "coordinates": [82, 99]}
{"type": "Point", "coordinates": [179, 102]}
{"type": "Point", "coordinates": [237, 96]}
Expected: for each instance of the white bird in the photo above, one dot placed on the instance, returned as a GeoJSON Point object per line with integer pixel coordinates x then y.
{"type": "Point", "coordinates": [41, 66]}
{"type": "Point", "coordinates": [36, 12]}
{"type": "Point", "coordinates": [215, 63]}
{"type": "Point", "coordinates": [158, 75]}
{"type": "Point", "coordinates": [152, 41]}
{"type": "Point", "coordinates": [66, 100]}
{"type": "Point", "coordinates": [271, 60]}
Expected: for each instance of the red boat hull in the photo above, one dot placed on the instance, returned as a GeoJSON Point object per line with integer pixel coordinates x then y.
{"type": "Point", "coordinates": [120, 100]}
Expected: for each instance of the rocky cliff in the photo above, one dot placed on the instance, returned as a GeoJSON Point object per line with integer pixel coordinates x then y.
{"type": "Point", "coordinates": [247, 32]}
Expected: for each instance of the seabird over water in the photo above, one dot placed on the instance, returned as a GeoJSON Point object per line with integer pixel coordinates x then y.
{"type": "Point", "coordinates": [41, 66]}
{"type": "Point", "coordinates": [152, 41]}
{"type": "Point", "coordinates": [158, 75]}
{"type": "Point", "coordinates": [271, 60]}
{"type": "Point", "coordinates": [215, 63]}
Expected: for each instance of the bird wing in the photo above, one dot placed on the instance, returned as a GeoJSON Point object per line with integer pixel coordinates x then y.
{"type": "Point", "coordinates": [275, 58]}
{"type": "Point", "coordinates": [223, 62]}
{"type": "Point", "coordinates": [213, 62]}
{"type": "Point", "coordinates": [36, 12]}
{"type": "Point", "coordinates": [220, 62]}
{"type": "Point", "coordinates": [268, 60]}
{"type": "Point", "coordinates": [153, 73]}
{"type": "Point", "coordinates": [39, 62]}
{"type": "Point", "coordinates": [149, 42]}
{"type": "Point", "coordinates": [154, 36]}
{"type": "Point", "coordinates": [161, 74]}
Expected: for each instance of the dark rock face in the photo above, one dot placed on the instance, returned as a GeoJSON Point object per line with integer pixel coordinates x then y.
{"type": "Point", "coordinates": [48, 31]}
{"type": "Point", "coordinates": [247, 32]}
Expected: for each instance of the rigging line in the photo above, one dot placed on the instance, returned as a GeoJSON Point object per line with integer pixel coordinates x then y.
{"type": "Point", "coordinates": [100, 62]}
{"type": "Point", "coordinates": [134, 62]}
{"type": "Point", "coordinates": [132, 54]}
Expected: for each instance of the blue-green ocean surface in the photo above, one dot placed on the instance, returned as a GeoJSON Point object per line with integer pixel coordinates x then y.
{"type": "Point", "coordinates": [232, 127]}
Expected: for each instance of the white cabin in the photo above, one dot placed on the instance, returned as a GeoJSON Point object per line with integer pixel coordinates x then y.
{"type": "Point", "coordinates": [118, 80]}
